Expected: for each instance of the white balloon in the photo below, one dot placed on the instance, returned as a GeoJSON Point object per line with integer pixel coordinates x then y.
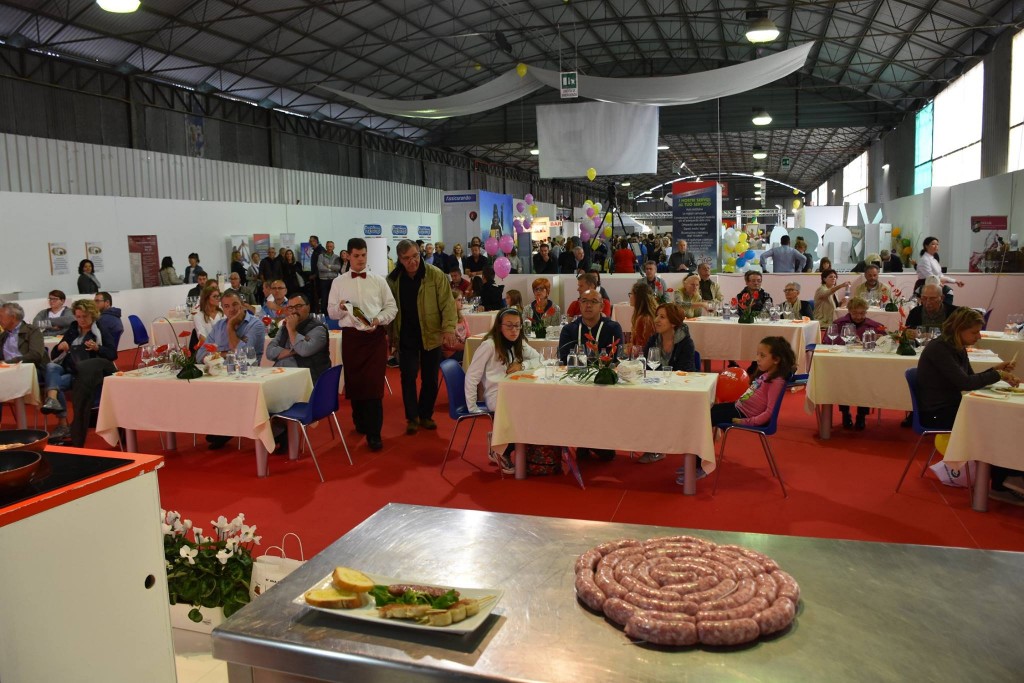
{"type": "Point", "coordinates": [587, 223]}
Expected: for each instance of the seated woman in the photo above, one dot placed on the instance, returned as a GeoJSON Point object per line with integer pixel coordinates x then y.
{"type": "Point", "coordinates": [944, 372]}
{"type": "Point", "coordinates": [209, 312]}
{"type": "Point", "coordinates": [457, 349]}
{"type": "Point", "coordinates": [168, 275]}
{"type": "Point", "coordinates": [542, 306]}
{"type": "Point", "coordinates": [858, 317]}
{"type": "Point", "coordinates": [645, 306]}
{"type": "Point", "coordinates": [672, 336]}
{"type": "Point", "coordinates": [501, 353]}
{"type": "Point", "coordinates": [689, 299]}
{"type": "Point", "coordinates": [825, 300]}
{"type": "Point", "coordinates": [824, 264]}
{"type": "Point", "coordinates": [58, 318]}
{"type": "Point", "coordinates": [81, 342]}
{"type": "Point", "coordinates": [513, 299]}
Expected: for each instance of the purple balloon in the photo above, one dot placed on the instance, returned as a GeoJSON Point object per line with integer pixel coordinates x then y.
{"type": "Point", "coordinates": [502, 267]}
{"type": "Point", "coordinates": [527, 223]}
{"type": "Point", "coordinates": [506, 243]}
{"type": "Point", "coordinates": [491, 246]}
{"type": "Point", "coordinates": [518, 224]}
{"type": "Point", "coordinates": [520, 207]}
{"type": "Point", "coordinates": [528, 198]}
{"type": "Point", "coordinates": [590, 212]}
{"type": "Point", "coordinates": [585, 235]}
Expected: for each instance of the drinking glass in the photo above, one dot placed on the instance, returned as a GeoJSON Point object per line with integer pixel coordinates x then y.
{"type": "Point", "coordinates": [832, 333]}
{"type": "Point", "coordinates": [849, 334]}
{"type": "Point", "coordinates": [145, 358]}
{"type": "Point", "coordinates": [242, 360]}
{"type": "Point", "coordinates": [250, 357]}
{"type": "Point", "coordinates": [654, 358]}
{"type": "Point", "coordinates": [868, 339]}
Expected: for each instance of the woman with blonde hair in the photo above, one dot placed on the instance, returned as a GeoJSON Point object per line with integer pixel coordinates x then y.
{"type": "Point", "coordinates": [644, 308]}
{"type": "Point", "coordinates": [457, 255]}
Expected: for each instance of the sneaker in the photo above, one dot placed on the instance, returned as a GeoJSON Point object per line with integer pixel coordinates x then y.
{"type": "Point", "coordinates": [392, 362]}
{"type": "Point", "coordinates": [61, 433]}
{"type": "Point", "coordinates": [427, 423]}
{"type": "Point", "coordinates": [412, 426]}
{"type": "Point", "coordinates": [50, 406]}
{"type": "Point", "coordinates": [374, 443]}
{"type": "Point", "coordinates": [1007, 496]}
{"type": "Point", "coordinates": [494, 456]}
{"type": "Point", "coordinates": [1014, 484]}
{"type": "Point", "coordinates": [650, 457]}
{"type": "Point", "coordinates": [681, 479]}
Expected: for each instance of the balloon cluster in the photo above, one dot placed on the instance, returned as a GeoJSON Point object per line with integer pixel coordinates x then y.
{"type": "Point", "coordinates": [593, 220]}
{"type": "Point", "coordinates": [739, 257]}
{"type": "Point", "coordinates": [503, 245]}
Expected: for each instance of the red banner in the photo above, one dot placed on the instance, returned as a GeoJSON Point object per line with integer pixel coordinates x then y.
{"type": "Point", "coordinates": [144, 261]}
{"type": "Point", "coordinates": [979, 223]}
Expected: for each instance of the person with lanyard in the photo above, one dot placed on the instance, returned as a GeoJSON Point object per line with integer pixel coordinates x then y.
{"type": "Point", "coordinates": [364, 306]}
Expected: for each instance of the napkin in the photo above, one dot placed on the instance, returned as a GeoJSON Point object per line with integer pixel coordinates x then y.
{"type": "Point", "coordinates": [999, 397]}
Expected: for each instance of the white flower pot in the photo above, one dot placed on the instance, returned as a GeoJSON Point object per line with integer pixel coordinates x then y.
{"type": "Point", "coordinates": [212, 617]}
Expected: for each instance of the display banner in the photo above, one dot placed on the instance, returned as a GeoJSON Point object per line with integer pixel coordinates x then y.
{"type": "Point", "coordinates": [697, 218]}
{"type": "Point", "coordinates": [94, 252]}
{"type": "Point", "coordinates": [241, 244]}
{"type": "Point", "coordinates": [59, 263]}
{"type": "Point", "coordinates": [305, 256]}
{"type": "Point", "coordinates": [287, 241]}
{"type": "Point", "coordinates": [144, 261]}
{"type": "Point", "coordinates": [460, 211]}
{"type": "Point", "coordinates": [260, 245]}
{"type": "Point", "coordinates": [989, 248]}
{"type": "Point", "coordinates": [495, 215]}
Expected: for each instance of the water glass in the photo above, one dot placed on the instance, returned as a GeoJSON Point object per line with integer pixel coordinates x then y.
{"type": "Point", "coordinates": [832, 333]}
{"type": "Point", "coordinates": [869, 340]}
{"type": "Point", "coordinates": [773, 313]}
{"type": "Point", "coordinates": [849, 333]}
{"type": "Point", "coordinates": [230, 362]}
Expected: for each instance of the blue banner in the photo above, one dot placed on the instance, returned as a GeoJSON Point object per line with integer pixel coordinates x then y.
{"type": "Point", "coordinates": [697, 218]}
{"type": "Point", "coordinates": [373, 230]}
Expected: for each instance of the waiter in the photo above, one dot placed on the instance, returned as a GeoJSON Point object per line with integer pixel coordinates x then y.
{"type": "Point", "coordinates": [364, 347]}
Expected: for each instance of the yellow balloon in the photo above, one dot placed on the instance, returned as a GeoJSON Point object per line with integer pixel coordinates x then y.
{"type": "Point", "coordinates": [742, 238]}
{"type": "Point", "coordinates": [591, 173]}
{"type": "Point", "coordinates": [796, 204]}
{"type": "Point", "coordinates": [533, 209]}
{"type": "Point", "coordinates": [728, 248]}
{"type": "Point", "coordinates": [795, 191]}
{"type": "Point", "coordinates": [729, 269]}
{"type": "Point", "coordinates": [896, 232]}
{"type": "Point", "coordinates": [608, 217]}
{"type": "Point", "coordinates": [608, 231]}
{"type": "Point", "coordinates": [731, 261]}
{"type": "Point", "coordinates": [588, 203]}
{"type": "Point", "coordinates": [521, 69]}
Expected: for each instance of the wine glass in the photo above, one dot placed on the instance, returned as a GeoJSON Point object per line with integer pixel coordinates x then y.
{"type": "Point", "coordinates": [145, 357]}
{"type": "Point", "coordinates": [654, 358]}
{"type": "Point", "coordinates": [832, 333]}
{"type": "Point", "coordinates": [250, 357]}
{"type": "Point", "coordinates": [849, 334]}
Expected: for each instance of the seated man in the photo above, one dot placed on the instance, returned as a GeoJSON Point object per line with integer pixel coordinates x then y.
{"type": "Point", "coordinates": [753, 280]}
{"type": "Point", "coordinates": [586, 282]}
{"type": "Point", "coordinates": [491, 295]}
{"type": "Point", "coordinates": [793, 307]}
{"type": "Point", "coordinates": [20, 341]}
{"type": "Point", "coordinates": [457, 281]}
{"type": "Point", "coordinates": [709, 289]}
{"type": "Point", "coordinates": [302, 341]}
{"type": "Point", "coordinates": [275, 299]}
{"type": "Point", "coordinates": [654, 281]}
{"type": "Point", "coordinates": [871, 289]}
{"type": "Point", "coordinates": [932, 312]}
{"type": "Point", "coordinates": [857, 316]}
{"type": "Point", "coordinates": [200, 280]}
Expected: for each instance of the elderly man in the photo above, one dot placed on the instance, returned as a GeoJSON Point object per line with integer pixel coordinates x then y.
{"type": "Point", "coordinates": [932, 312]}
{"type": "Point", "coordinates": [428, 255]}
{"type": "Point", "coordinates": [20, 340]}
{"type": "Point", "coordinates": [871, 289]}
{"type": "Point", "coordinates": [709, 289]}
{"type": "Point", "coordinates": [681, 260]}
{"type": "Point", "coordinates": [363, 305]}
{"type": "Point", "coordinates": [473, 264]}
{"type": "Point", "coordinates": [301, 342]}
{"type": "Point", "coordinates": [654, 281]}
{"type": "Point", "coordinates": [793, 307]}
{"type": "Point", "coordinates": [785, 259]}
{"type": "Point", "coordinates": [328, 268]}
{"type": "Point", "coordinates": [275, 299]}
{"type": "Point", "coordinates": [425, 321]}
{"type": "Point", "coordinates": [543, 262]}
{"type": "Point", "coordinates": [762, 299]}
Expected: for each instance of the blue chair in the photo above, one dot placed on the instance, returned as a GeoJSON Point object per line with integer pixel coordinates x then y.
{"type": "Point", "coordinates": [455, 383]}
{"type": "Point", "coordinates": [140, 337]}
{"type": "Point", "coordinates": [800, 380]}
{"type": "Point", "coordinates": [332, 324]}
{"type": "Point", "coordinates": [763, 432]}
{"type": "Point", "coordinates": [920, 430]}
{"type": "Point", "coordinates": [322, 402]}
{"type": "Point", "coordinates": [696, 361]}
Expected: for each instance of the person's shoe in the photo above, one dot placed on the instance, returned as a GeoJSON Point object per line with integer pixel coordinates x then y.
{"type": "Point", "coordinates": [217, 441]}
{"type": "Point", "coordinates": [50, 406]}
{"type": "Point", "coordinates": [847, 422]}
{"type": "Point", "coordinates": [1007, 496]}
{"type": "Point", "coordinates": [908, 421]}
{"type": "Point", "coordinates": [374, 443]}
{"type": "Point", "coordinates": [859, 425]}
{"type": "Point", "coordinates": [681, 479]}
{"type": "Point", "coordinates": [427, 423]}
{"type": "Point", "coordinates": [59, 434]}
{"type": "Point", "coordinates": [392, 362]}
{"type": "Point", "coordinates": [650, 457]}
{"type": "Point", "coordinates": [584, 454]}
{"type": "Point", "coordinates": [1014, 484]}
{"type": "Point", "coordinates": [412, 426]}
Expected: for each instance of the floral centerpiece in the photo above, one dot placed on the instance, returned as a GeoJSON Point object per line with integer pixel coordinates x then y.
{"type": "Point", "coordinates": [662, 295]}
{"type": "Point", "coordinates": [208, 571]}
{"type": "Point", "coordinates": [185, 358]}
{"type": "Point", "coordinates": [895, 303]}
{"type": "Point", "coordinates": [745, 306]}
{"type": "Point", "coordinates": [539, 327]}
{"type": "Point", "coordinates": [904, 345]}
{"type": "Point", "coordinates": [272, 326]}
{"type": "Point", "coordinates": [600, 368]}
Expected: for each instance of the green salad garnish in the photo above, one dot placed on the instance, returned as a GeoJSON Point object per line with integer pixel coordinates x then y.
{"type": "Point", "coordinates": [382, 597]}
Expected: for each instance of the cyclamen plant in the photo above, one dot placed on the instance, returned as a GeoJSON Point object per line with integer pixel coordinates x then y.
{"type": "Point", "coordinates": [208, 571]}
{"type": "Point", "coordinates": [745, 305]}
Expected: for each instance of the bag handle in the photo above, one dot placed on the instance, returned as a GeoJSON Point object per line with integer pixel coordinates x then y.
{"type": "Point", "coordinates": [302, 554]}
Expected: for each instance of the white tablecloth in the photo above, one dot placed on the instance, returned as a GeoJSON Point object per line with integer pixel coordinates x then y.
{"type": "Point", "coordinates": [167, 331]}
{"type": "Point", "coordinates": [19, 381]}
{"type": "Point", "coordinates": [480, 323]}
{"type": "Point", "coordinates": [210, 405]}
{"type": "Point", "coordinates": [1004, 347]}
{"type": "Point", "coordinates": [729, 340]}
{"type": "Point", "coordinates": [891, 319]}
{"type": "Point", "coordinates": [622, 313]}
{"type": "Point", "coordinates": [671, 417]}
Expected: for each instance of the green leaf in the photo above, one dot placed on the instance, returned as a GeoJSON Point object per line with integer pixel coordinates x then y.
{"type": "Point", "coordinates": [195, 615]}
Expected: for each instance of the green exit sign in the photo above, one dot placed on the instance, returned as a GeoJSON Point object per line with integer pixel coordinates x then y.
{"type": "Point", "coordinates": [569, 87]}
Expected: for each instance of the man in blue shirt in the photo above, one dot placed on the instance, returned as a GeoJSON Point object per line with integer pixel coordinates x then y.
{"type": "Point", "coordinates": [238, 326]}
{"type": "Point", "coordinates": [785, 259]}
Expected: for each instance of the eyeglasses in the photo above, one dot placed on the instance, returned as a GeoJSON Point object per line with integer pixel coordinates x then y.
{"type": "Point", "coordinates": [295, 307]}
{"type": "Point", "coordinates": [514, 326]}
{"type": "Point", "coordinates": [791, 290]}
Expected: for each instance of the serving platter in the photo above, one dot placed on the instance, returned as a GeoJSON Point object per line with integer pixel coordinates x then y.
{"type": "Point", "coordinates": [488, 598]}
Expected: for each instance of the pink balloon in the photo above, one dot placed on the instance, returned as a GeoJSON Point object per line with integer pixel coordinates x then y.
{"type": "Point", "coordinates": [506, 243]}
{"type": "Point", "coordinates": [502, 267]}
{"type": "Point", "coordinates": [520, 207]}
{"type": "Point", "coordinates": [491, 246]}
{"type": "Point", "coordinates": [590, 212]}
{"type": "Point", "coordinates": [528, 198]}
{"type": "Point", "coordinates": [585, 235]}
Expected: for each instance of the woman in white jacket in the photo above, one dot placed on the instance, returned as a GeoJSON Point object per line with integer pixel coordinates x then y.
{"type": "Point", "coordinates": [501, 353]}
{"type": "Point", "coordinates": [928, 266]}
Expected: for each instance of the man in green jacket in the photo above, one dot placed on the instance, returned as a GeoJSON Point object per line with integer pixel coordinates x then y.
{"type": "Point", "coordinates": [426, 320]}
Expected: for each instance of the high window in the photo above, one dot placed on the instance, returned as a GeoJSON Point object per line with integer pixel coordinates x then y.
{"type": "Point", "coordinates": [948, 141]}
{"type": "Point", "coordinates": [855, 180]}
{"type": "Point", "coordinates": [1015, 158]}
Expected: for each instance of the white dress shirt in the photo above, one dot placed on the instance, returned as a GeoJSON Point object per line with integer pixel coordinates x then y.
{"type": "Point", "coordinates": [371, 294]}
{"type": "Point", "coordinates": [203, 328]}
{"type": "Point", "coordinates": [928, 266]}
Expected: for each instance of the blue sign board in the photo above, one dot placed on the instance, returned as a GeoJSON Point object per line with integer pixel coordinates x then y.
{"type": "Point", "coordinates": [373, 230]}
{"type": "Point", "coordinates": [399, 230]}
{"type": "Point", "coordinates": [424, 231]}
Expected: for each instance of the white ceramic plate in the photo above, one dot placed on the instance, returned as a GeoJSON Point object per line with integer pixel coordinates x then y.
{"type": "Point", "coordinates": [368, 613]}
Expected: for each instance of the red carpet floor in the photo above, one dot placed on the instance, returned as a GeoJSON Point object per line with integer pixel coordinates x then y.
{"type": "Point", "coordinates": [843, 488]}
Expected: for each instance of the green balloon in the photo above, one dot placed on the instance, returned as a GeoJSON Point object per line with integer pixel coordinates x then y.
{"type": "Point", "coordinates": [905, 242]}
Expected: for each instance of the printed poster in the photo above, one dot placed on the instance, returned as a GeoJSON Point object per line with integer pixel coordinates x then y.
{"type": "Point", "coordinates": [260, 245]}
{"type": "Point", "coordinates": [697, 218]}
{"type": "Point", "coordinates": [144, 261]}
{"type": "Point", "coordinates": [94, 252]}
{"type": "Point", "coordinates": [59, 264]}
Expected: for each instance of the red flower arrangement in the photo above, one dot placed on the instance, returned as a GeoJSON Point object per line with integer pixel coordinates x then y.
{"type": "Point", "coordinates": [185, 358]}
{"type": "Point", "coordinates": [599, 369]}
{"type": "Point", "coordinates": [745, 305]}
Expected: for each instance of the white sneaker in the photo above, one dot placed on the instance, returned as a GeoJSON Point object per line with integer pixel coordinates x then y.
{"type": "Point", "coordinates": [1014, 484]}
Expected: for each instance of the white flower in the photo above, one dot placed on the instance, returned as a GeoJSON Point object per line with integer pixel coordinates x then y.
{"type": "Point", "coordinates": [189, 553]}
{"type": "Point", "coordinates": [166, 528]}
{"type": "Point", "coordinates": [231, 544]}
{"type": "Point", "coordinates": [248, 533]}
{"type": "Point", "coordinates": [198, 533]}
{"type": "Point", "coordinates": [172, 516]}
{"type": "Point", "coordinates": [187, 524]}
{"type": "Point", "coordinates": [237, 523]}
{"type": "Point", "coordinates": [221, 525]}
{"type": "Point", "coordinates": [223, 555]}
{"type": "Point", "coordinates": [177, 526]}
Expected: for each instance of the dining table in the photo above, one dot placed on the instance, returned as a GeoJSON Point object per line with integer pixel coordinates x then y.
{"type": "Point", "coordinates": [480, 322]}
{"type": "Point", "coordinates": [651, 406]}
{"type": "Point", "coordinates": [19, 386]}
{"type": "Point", "coordinates": [169, 331]}
{"type": "Point", "coordinates": [539, 345]}
{"type": "Point", "coordinates": [1006, 346]}
{"type": "Point", "coordinates": [872, 379]}
{"type": "Point", "coordinates": [989, 429]}
{"type": "Point", "coordinates": [229, 405]}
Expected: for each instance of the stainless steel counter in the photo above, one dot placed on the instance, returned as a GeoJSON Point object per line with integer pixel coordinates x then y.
{"type": "Point", "coordinates": [869, 611]}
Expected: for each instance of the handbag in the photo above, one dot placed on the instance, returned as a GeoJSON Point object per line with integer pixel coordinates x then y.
{"type": "Point", "coordinates": [268, 570]}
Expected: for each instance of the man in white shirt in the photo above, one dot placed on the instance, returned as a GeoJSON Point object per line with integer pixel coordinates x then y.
{"type": "Point", "coordinates": [363, 305]}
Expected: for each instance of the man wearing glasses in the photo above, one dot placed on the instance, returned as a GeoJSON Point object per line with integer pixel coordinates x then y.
{"type": "Point", "coordinates": [276, 300]}
{"type": "Point", "coordinates": [302, 341]}
{"type": "Point", "coordinates": [793, 307]}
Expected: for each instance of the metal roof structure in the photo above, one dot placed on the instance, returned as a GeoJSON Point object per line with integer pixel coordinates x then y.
{"type": "Point", "coordinates": [873, 62]}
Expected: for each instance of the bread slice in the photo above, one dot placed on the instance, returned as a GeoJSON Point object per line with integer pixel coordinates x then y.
{"type": "Point", "coordinates": [351, 580]}
{"type": "Point", "coordinates": [332, 598]}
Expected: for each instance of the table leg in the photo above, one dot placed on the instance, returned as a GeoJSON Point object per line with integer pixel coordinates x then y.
{"type": "Point", "coordinates": [689, 474]}
{"type": "Point", "coordinates": [261, 459]}
{"type": "Point", "coordinates": [171, 439]}
{"type": "Point", "coordinates": [293, 440]}
{"type": "Point", "coordinates": [19, 412]}
{"type": "Point", "coordinates": [824, 412]}
{"type": "Point", "coordinates": [131, 441]}
{"type": "Point", "coordinates": [982, 479]}
{"type": "Point", "coordinates": [520, 461]}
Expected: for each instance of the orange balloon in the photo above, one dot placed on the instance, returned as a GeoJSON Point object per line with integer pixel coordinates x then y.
{"type": "Point", "coordinates": [732, 382]}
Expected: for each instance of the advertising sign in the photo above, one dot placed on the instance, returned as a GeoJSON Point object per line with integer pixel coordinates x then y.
{"type": "Point", "coordinates": [979, 223]}
{"type": "Point", "coordinates": [399, 232]}
{"type": "Point", "coordinates": [697, 218]}
{"type": "Point", "coordinates": [144, 261]}
{"type": "Point", "coordinates": [372, 230]}
{"type": "Point", "coordinates": [495, 215]}
{"type": "Point", "coordinates": [59, 263]}
{"type": "Point", "coordinates": [94, 252]}
{"type": "Point", "coordinates": [260, 245]}
{"type": "Point", "coordinates": [424, 231]}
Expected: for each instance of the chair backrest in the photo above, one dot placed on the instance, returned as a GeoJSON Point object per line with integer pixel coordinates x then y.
{"type": "Point", "coordinates": [696, 360]}
{"type": "Point", "coordinates": [139, 334]}
{"type": "Point", "coordinates": [455, 383]}
{"type": "Point", "coordinates": [324, 399]}
{"type": "Point", "coordinates": [911, 375]}
{"type": "Point", "coordinates": [332, 324]}
{"type": "Point", "coordinates": [773, 423]}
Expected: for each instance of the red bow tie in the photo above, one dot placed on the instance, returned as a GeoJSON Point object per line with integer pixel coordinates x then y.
{"type": "Point", "coordinates": [362, 275]}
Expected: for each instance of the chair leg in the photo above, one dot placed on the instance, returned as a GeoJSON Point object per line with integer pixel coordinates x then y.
{"type": "Point", "coordinates": [311, 451]}
{"type": "Point", "coordinates": [570, 460]}
{"type": "Point", "coordinates": [450, 442]}
{"type": "Point", "coordinates": [342, 435]}
{"type": "Point", "coordinates": [388, 384]}
{"type": "Point", "coordinates": [721, 459]}
{"type": "Point", "coordinates": [472, 423]}
{"type": "Point", "coordinates": [772, 464]}
{"type": "Point", "coordinates": [910, 461]}
{"type": "Point", "coordinates": [928, 462]}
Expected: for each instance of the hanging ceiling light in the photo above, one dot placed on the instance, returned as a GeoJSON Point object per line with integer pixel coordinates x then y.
{"type": "Point", "coordinates": [759, 153]}
{"type": "Point", "coordinates": [119, 6]}
{"type": "Point", "coordinates": [535, 152]}
{"type": "Point", "coordinates": [761, 29]}
{"type": "Point", "coordinates": [759, 172]}
{"type": "Point", "coordinates": [761, 117]}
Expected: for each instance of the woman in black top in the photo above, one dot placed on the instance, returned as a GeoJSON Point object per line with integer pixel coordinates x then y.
{"type": "Point", "coordinates": [238, 267]}
{"type": "Point", "coordinates": [87, 282]}
{"type": "Point", "coordinates": [290, 273]}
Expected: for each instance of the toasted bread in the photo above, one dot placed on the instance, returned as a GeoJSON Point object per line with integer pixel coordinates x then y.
{"type": "Point", "coordinates": [346, 579]}
{"type": "Point", "coordinates": [332, 598]}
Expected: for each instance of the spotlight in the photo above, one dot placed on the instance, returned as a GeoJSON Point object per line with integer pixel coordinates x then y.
{"type": "Point", "coordinates": [761, 117]}
{"type": "Point", "coordinates": [760, 28]}
{"type": "Point", "coordinates": [118, 6]}
{"type": "Point", "coordinates": [759, 172]}
{"type": "Point", "coordinates": [625, 183]}
{"type": "Point", "coordinates": [759, 153]}
{"type": "Point", "coordinates": [662, 147]}
{"type": "Point", "coordinates": [534, 152]}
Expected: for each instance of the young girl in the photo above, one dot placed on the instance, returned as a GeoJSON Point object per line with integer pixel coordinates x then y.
{"type": "Point", "coordinates": [461, 331]}
{"type": "Point", "coordinates": [513, 299]}
{"type": "Point", "coordinates": [775, 362]}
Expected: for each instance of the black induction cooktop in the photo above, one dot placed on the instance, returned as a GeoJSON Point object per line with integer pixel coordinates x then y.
{"type": "Point", "coordinates": [58, 470]}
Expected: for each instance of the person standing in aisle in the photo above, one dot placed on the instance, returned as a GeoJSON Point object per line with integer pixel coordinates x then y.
{"type": "Point", "coordinates": [328, 268]}
{"type": "Point", "coordinates": [425, 321]}
{"type": "Point", "coordinates": [363, 305]}
{"type": "Point", "coordinates": [311, 277]}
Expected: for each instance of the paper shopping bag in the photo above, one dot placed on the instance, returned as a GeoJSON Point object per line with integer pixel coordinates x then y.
{"type": "Point", "coordinates": [268, 570]}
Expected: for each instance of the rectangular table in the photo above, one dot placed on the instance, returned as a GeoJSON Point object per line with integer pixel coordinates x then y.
{"type": "Point", "coordinates": [989, 428]}
{"type": "Point", "coordinates": [670, 416]}
{"type": "Point", "coordinates": [868, 612]}
{"type": "Point", "coordinates": [210, 405]}
{"type": "Point", "coordinates": [19, 385]}
{"type": "Point", "coordinates": [1004, 347]}
{"type": "Point", "coordinates": [167, 331]}
{"type": "Point", "coordinates": [472, 343]}
{"type": "Point", "coordinates": [870, 379]}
